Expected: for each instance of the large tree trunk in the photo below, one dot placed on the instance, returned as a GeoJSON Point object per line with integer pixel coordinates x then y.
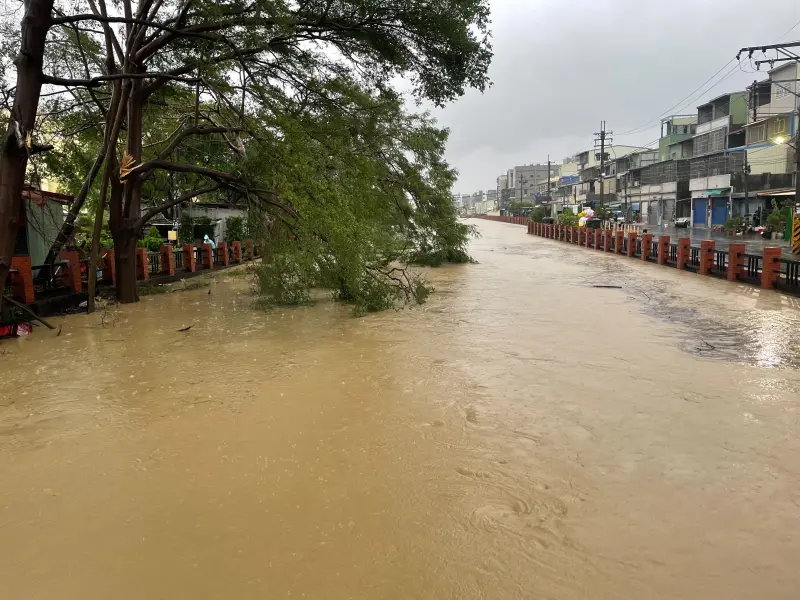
{"type": "Point", "coordinates": [14, 154]}
{"type": "Point", "coordinates": [125, 257]}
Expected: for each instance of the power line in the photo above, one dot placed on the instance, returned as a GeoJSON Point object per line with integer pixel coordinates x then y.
{"type": "Point", "coordinates": [671, 109]}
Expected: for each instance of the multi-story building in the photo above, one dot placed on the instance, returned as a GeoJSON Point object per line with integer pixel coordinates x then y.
{"type": "Point", "coordinates": [720, 127]}
{"type": "Point", "coordinates": [771, 163]}
{"type": "Point", "coordinates": [634, 194]}
{"type": "Point", "coordinates": [677, 132]}
{"type": "Point", "coordinates": [588, 191]}
{"type": "Point", "coordinates": [522, 181]}
{"type": "Point", "coordinates": [503, 191]}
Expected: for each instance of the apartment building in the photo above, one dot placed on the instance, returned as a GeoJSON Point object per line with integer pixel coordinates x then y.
{"type": "Point", "coordinates": [720, 128]}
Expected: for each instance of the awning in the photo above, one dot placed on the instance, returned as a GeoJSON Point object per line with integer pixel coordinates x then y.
{"type": "Point", "coordinates": [776, 193]}
{"type": "Point", "coordinates": [718, 192]}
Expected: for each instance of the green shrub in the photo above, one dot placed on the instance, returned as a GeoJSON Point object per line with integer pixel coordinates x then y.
{"type": "Point", "coordinates": [568, 218]}
{"type": "Point", "coordinates": [538, 214]}
{"type": "Point", "coordinates": [733, 224]}
{"type": "Point", "coordinates": [234, 229]}
{"type": "Point", "coordinates": [776, 221]}
{"type": "Point", "coordinates": [152, 241]}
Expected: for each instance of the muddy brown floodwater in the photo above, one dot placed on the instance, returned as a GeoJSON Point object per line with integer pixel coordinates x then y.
{"type": "Point", "coordinates": [523, 435]}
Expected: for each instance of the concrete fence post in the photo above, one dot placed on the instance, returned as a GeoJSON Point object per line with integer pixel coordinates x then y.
{"type": "Point", "coordinates": [647, 246]}
{"type": "Point", "coordinates": [619, 235]}
{"type": "Point", "coordinates": [607, 240]}
{"type": "Point", "coordinates": [683, 252]}
{"type": "Point", "coordinates": [735, 261]}
{"type": "Point", "coordinates": [632, 235]}
{"type": "Point", "coordinates": [21, 278]}
{"type": "Point", "coordinates": [248, 249]}
{"type": "Point", "coordinates": [167, 260]}
{"type": "Point", "coordinates": [222, 254]}
{"type": "Point", "coordinates": [207, 255]}
{"type": "Point", "coordinates": [109, 266]}
{"type": "Point", "coordinates": [770, 268]}
{"type": "Point", "coordinates": [237, 252]}
{"type": "Point", "coordinates": [706, 256]}
{"type": "Point", "coordinates": [72, 273]}
{"type": "Point", "coordinates": [142, 264]}
{"type": "Point", "coordinates": [663, 249]}
{"type": "Point", "coordinates": [189, 261]}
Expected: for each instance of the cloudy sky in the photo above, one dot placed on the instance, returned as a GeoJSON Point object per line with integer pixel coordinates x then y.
{"type": "Point", "coordinates": [560, 66]}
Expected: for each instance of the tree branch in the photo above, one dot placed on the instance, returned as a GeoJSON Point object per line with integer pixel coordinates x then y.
{"type": "Point", "coordinates": [184, 198]}
{"type": "Point", "coordinates": [193, 131]}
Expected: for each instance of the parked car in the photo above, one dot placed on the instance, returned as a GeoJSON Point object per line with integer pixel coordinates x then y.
{"type": "Point", "coordinates": [617, 216]}
{"type": "Point", "coordinates": [682, 222]}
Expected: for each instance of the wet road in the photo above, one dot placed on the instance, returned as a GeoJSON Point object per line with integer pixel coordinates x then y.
{"type": "Point", "coordinates": [523, 435]}
{"type": "Point", "coordinates": [754, 244]}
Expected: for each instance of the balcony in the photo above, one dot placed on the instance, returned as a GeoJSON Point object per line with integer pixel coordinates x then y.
{"type": "Point", "coordinates": [762, 182]}
{"type": "Point", "coordinates": [712, 125]}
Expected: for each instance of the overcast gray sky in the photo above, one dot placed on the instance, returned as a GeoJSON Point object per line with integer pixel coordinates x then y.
{"type": "Point", "coordinates": [560, 66]}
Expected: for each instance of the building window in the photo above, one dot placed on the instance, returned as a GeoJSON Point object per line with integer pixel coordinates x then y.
{"type": "Point", "coordinates": [782, 89]}
{"type": "Point", "coordinates": [758, 133]}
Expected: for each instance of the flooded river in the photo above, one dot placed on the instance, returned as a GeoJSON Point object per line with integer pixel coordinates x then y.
{"type": "Point", "coordinates": [522, 435]}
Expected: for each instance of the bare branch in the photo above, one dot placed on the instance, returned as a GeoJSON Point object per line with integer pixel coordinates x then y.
{"type": "Point", "coordinates": [184, 198]}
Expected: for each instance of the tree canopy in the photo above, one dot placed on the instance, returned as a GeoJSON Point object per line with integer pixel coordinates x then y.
{"type": "Point", "coordinates": [284, 107]}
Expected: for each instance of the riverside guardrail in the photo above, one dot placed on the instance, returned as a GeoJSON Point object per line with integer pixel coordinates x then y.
{"type": "Point", "coordinates": [769, 271]}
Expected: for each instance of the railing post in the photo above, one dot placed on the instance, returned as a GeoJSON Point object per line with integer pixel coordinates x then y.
{"type": "Point", "coordinates": [607, 241]}
{"type": "Point", "coordinates": [109, 266]}
{"type": "Point", "coordinates": [22, 280]}
{"type": "Point", "coordinates": [647, 245]}
{"type": "Point", "coordinates": [207, 256]}
{"type": "Point", "coordinates": [167, 259]}
{"type": "Point", "coordinates": [223, 260]}
{"type": "Point", "coordinates": [735, 260]}
{"type": "Point", "coordinates": [663, 249]}
{"type": "Point", "coordinates": [248, 249]}
{"type": "Point", "coordinates": [142, 264]}
{"type": "Point", "coordinates": [632, 235]}
{"type": "Point", "coordinates": [237, 251]}
{"type": "Point", "coordinates": [683, 252]}
{"type": "Point", "coordinates": [706, 256]}
{"type": "Point", "coordinates": [619, 235]}
{"type": "Point", "coordinates": [189, 262]}
{"type": "Point", "coordinates": [770, 268]}
{"type": "Point", "coordinates": [72, 276]}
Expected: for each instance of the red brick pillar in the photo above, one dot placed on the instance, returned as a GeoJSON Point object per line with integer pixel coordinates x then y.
{"type": "Point", "coordinates": [683, 252]}
{"type": "Point", "coordinates": [222, 253]}
{"type": "Point", "coordinates": [207, 256]}
{"type": "Point", "coordinates": [248, 249]}
{"type": "Point", "coordinates": [735, 261]}
{"type": "Point", "coordinates": [109, 266]}
{"type": "Point", "coordinates": [632, 235]}
{"type": "Point", "coordinates": [663, 249]}
{"type": "Point", "coordinates": [71, 276]}
{"type": "Point", "coordinates": [590, 233]}
{"type": "Point", "coordinates": [607, 241]}
{"type": "Point", "coordinates": [647, 245]}
{"type": "Point", "coordinates": [770, 268]}
{"type": "Point", "coordinates": [581, 236]}
{"type": "Point", "coordinates": [619, 235]}
{"type": "Point", "coordinates": [706, 256]}
{"type": "Point", "coordinates": [237, 251]}
{"type": "Point", "coordinates": [142, 264]}
{"type": "Point", "coordinates": [189, 261]}
{"type": "Point", "coordinates": [22, 279]}
{"type": "Point", "coordinates": [167, 260]}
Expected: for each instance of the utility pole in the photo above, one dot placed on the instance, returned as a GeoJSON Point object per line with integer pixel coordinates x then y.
{"type": "Point", "coordinates": [601, 138]}
{"type": "Point", "coordinates": [548, 176]}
